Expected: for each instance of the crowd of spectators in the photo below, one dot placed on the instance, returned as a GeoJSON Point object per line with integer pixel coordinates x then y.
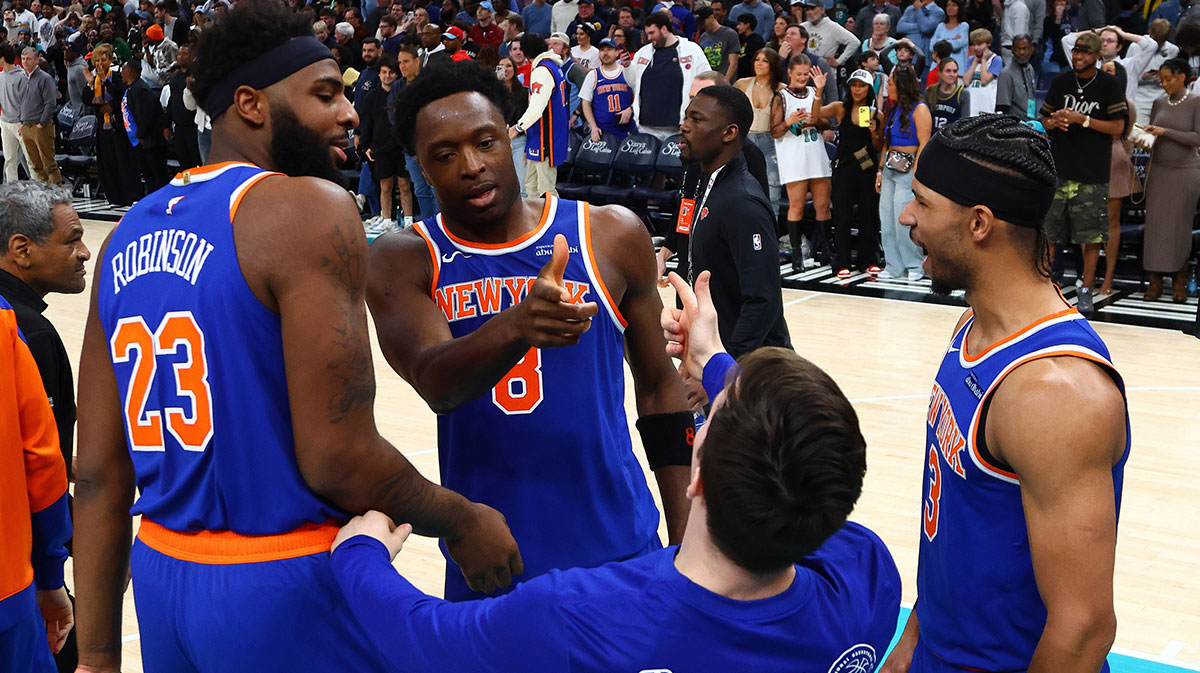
{"type": "Point", "coordinates": [840, 89]}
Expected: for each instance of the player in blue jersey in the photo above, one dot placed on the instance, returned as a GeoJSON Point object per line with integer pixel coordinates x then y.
{"type": "Point", "coordinates": [769, 578]}
{"type": "Point", "coordinates": [607, 97]}
{"type": "Point", "coordinates": [1027, 429]}
{"type": "Point", "coordinates": [512, 318]}
{"type": "Point", "coordinates": [226, 373]}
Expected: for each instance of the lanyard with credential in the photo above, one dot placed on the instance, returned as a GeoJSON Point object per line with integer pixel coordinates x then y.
{"type": "Point", "coordinates": [700, 215]}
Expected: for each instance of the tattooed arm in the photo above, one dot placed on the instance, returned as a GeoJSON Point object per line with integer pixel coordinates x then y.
{"type": "Point", "coordinates": [302, 250]}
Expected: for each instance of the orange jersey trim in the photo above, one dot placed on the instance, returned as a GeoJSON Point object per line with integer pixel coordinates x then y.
{"type": "Point", "coordinates": [433, 259]}
{"type": "Point", "coordinates": [1015, 335]}
{"type": "Point", "coordinates": [244, 189]}
{"type": "Point", "coordinates": [209, 168]}
{"type": "Point", "coordinates": [226, 547]}
{"type": "Point", "coordinates": [587, 231]}
{"type": "Point", "coordinates": [536, 231]}
{"type": "Point", "coordinates": [996, 384]}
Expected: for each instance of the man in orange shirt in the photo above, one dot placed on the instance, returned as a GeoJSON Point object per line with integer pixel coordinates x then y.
{"type": "Point", "coordinates": [35, 613]}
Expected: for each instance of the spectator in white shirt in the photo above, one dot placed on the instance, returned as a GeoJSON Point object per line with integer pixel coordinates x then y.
{"type": "Point", "coordinates": [584, 52]}
{"type": "Point", "coordinates": [826, 37]}
{"type": "Point", "coordinates": [1142, 49]}
{"type": "Point", "coordinates": [562, 14]}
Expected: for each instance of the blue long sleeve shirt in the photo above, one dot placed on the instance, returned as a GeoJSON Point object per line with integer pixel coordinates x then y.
{"type": "Point", "coordinates": [919, 24]}
{"type": "Point", "coordinates": [643, 614]}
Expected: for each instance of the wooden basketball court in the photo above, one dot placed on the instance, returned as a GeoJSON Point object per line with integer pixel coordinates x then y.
{"type": "Point", "coordinates": [884, 354]}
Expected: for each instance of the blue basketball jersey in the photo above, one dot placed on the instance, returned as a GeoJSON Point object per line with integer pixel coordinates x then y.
{"type": "Point", "coordinates": [546, 140]}
{"type": "Point", "coordinates": [549, 446]}
{"type": "Point", "coordinates": [978, 604]}
{"type": "Point", "coordinates": [199, 364]}
{"type": "Point", "coordinates": [611, 95]}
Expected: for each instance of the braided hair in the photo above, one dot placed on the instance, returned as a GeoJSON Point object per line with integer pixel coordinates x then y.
{"type": "Point", "coordinates": [1004, 144]}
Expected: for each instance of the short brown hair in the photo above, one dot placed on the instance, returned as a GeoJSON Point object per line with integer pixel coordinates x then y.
{"type": "Point", "coordinates": [980, 36]}
{"type": "Point", "coordinates": [782, 463]}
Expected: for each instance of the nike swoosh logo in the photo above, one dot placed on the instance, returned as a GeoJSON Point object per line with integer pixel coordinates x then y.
{"type": "Point", "coordinates": [952, 350]}
{"type": "Point", "coordinates": [450, 258]}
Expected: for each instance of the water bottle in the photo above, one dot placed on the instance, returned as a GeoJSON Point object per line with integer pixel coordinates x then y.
{"type": "Point", "coordinates": [1193, 279]}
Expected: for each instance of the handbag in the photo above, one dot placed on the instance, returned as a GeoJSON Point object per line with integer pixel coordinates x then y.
{"type": "Point", "coordinates": [901, 162]}
{"type": "Point", "coordinates": [865, 161]}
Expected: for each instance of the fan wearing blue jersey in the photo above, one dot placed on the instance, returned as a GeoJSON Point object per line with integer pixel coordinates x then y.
{"type": "Point", "coordinates": [607, 97]}
{"type": "Point", "coordinates": [1027, 428]}
{"type": "Point", "coordinates": [513, 319]}
{"type": "Point", "coordinates": [226, 374]}
{"type": "Point", "coordinates": [770, 576]}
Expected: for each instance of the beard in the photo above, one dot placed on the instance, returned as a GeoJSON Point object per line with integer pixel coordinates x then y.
{"type": "Point", "coordinates": [299, 151]}
{"type": "Point", "coordinates": [948, 274]}
{"type": "Point", "coordinates": [950, 270]}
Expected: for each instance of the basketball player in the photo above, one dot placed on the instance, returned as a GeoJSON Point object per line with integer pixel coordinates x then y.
{"type": "Point", "coordinates": [511, 318]}
{"type": "Point", "coordinates": [35, 521]}
{"type": "Point", "coordinates": [226, 372]}
{"type": "Point", "coordinates": [1027, 427]}
{"type": "Point", "coordinates": [770, 577]}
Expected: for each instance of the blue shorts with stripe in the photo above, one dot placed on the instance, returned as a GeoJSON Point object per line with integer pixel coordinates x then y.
{"type": "Point", "coordinates": [284, 615]}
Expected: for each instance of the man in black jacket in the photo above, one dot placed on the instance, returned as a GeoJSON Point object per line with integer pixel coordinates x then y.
{"type": "Point", "coordinates": [732, 228]}
{"type": "Point", "coordinates": [676, 243]}
{"type": "Point", "coordinates": [180, 121]}
{"type": "Point", "coordinates": [144, 123]}
{"type": "Point", "coordinates": [42, 251]}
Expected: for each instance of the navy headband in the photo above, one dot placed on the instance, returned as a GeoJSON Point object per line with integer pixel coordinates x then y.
{"type": "Point", "coordinates": [1012, 198]}
{"type": "Point", "coordinates": [273, 66]}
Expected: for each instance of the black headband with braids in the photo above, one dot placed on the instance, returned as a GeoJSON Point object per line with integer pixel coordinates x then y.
{"type": "Point", "coordinates": [994, 160]}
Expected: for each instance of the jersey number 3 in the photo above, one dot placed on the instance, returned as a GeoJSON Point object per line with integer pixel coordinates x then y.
{"type": "Point", "coordinates": [932, 503]}
{"type": "Point", "coordinates": [520, 391]}
{"type": "Point", "coordinates": [133, 340]}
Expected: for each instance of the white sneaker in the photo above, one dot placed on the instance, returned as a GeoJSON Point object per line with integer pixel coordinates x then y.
{"type": "Point", "coordinates": [361, 201]}
{"type": "Point", "coordinates": [375, 226]}
{"type": "Point", "coordinates": [886, 275]}
{"type": "Point", "coordinates": [914, 276]}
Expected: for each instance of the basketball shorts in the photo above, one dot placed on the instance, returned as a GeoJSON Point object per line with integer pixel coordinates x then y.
{"type": "Point", "coordinates": [1078, 214]}
{"type": "Point", "coordinates": [284, 615]}
{"type": "Point", "coordinates": [23, 644]}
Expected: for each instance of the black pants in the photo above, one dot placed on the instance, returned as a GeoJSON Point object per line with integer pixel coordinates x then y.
{"type": "Point", "coordinates": [152, 163]}
{"type": "Point", "coordinates": [187, 146]}
{"type": "Point", "coordinates": [115, 163]}
{"type": "Point", "coordinates": [854, 186]}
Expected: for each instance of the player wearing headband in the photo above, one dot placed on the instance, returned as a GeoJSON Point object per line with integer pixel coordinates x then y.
{"type": "Point", "coordinates": [226, 372]}
{"type": "Point", "coordinates": [1027, 430]}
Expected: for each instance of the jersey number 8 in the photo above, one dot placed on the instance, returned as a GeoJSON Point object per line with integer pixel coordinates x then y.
{"type": "Point", "coordinates": [133, 340]}
{"type": "Point", "coordinates": [520, 391]}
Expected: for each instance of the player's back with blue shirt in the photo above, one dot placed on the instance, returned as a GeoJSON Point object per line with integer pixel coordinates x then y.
{"type": "Point", "coordinates": [839, 614]}
{"type": "Point", "coordinates": [199, 365]}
